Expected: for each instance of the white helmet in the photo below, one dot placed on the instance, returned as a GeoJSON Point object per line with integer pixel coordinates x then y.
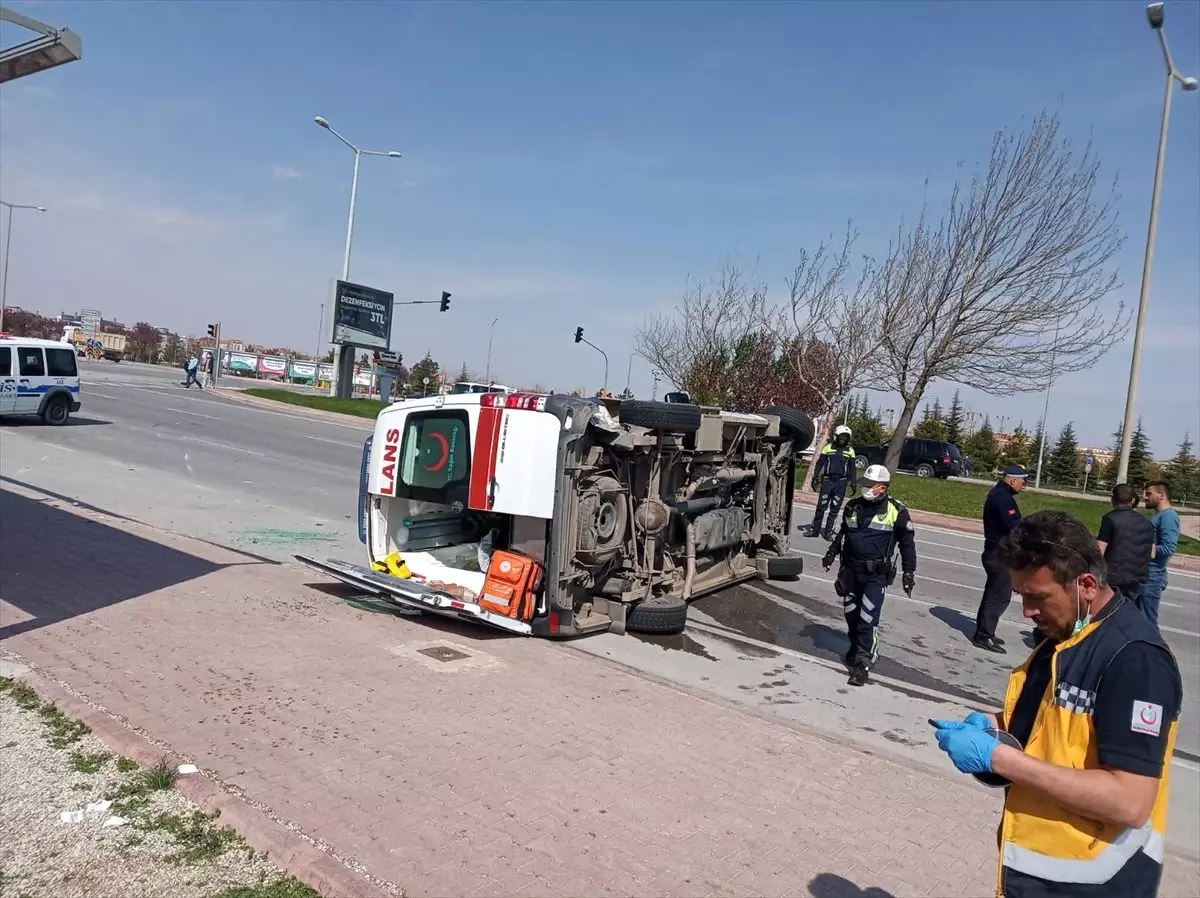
{"type": "Point", "coordinates": [841, 429]}
{"type": "Point", "coordinates": [877, 474]}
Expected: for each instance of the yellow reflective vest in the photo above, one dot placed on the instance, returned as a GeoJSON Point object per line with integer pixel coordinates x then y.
{"type": "Point", "coordinates": [1040, 837]}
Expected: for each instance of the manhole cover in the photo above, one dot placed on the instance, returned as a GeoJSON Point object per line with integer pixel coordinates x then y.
{"type": "Point", "coordinates": [443, 653]}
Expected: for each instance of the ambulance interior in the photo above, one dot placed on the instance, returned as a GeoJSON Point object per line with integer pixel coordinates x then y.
{"type": "Point", "coordinates": [428, 521]}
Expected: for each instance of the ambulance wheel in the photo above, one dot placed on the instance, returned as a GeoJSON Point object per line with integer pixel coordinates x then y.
{"type": "Point", "coordinates": [793, 425]}
{"type": "Point", "coordinates": [661, 616]}
{"type": "Point", "coordinates": [57, 411]}
{"type": "Point", "coordinates": [668, 417]}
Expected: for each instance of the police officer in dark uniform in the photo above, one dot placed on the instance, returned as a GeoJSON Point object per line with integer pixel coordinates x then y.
{"type": "Point", "coordinates": [873, 526]}
{"type": "Point", "coordinates": [833, 473]}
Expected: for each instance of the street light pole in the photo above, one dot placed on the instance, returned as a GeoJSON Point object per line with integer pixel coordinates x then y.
{"type": "Point", "coordinates": [8, 252]}
{"type": "Point", "coordinates": [1154, 13]}
{"type": "Point", "coordinates": [629, 373]}
{"type": "Point", "coordinates": [1037, 483]}
{"type": "Point", "coordinates": [491, 333]}
{"type": "Point", "coordinates": [343, 362]}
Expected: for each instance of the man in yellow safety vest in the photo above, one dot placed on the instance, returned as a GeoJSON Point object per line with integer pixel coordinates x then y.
{"type": "Point", "coordinates": [1096, 709]}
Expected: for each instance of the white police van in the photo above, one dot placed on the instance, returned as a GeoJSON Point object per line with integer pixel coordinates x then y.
{"type": "Point", "coordinates": [38, 377]}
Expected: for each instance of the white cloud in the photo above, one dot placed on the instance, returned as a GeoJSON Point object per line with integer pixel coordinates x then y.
{"type": "Point", "coordinates": [286, 173]}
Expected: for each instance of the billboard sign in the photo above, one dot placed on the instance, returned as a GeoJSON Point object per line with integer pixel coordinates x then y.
{"type": "Point", "coordinates": [89, 320]}
{"type": "Point", "coordinates": [362, 316]}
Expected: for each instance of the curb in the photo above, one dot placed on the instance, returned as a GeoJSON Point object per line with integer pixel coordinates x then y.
{"type": "Point", "coordinates": [295, 856]}
{"type": "Point", "coordinates": [298, 411]}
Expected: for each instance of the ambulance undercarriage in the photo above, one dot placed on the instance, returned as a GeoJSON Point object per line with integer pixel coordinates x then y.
{"type": "Point", "coordinates": [561, 516]}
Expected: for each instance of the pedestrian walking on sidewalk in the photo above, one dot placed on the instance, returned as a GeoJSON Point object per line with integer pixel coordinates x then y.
{"type": "Point", "coordinates": [873, 526]}
{"type": "Point", "coordinates": [1166, 540]}
{"type": "Point", "coordinates": [1000, 515]}
{"type": "Point", "coordinates": [206, 365]}
{"type": "Point", "coordinates": [1126, 541]}
{"type": "Point", "coordinates": [1096, 709]}
{"type": "Point", "coordinates": [833, 473]}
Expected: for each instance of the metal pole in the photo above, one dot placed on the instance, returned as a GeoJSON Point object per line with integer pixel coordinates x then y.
{"type": "Point", "coordinates": [629, 372]}
{"type": "Point", "coordinates": [1155, 13]}
{"type": "Point", "coordinates": [343, 362]}
{"type": "Point", "coordinates": [217, 358]}
{"type": "Point", "coordinates": [320, 333]}
{"type": "Point", "coordinates": [1037, 484]}
{"type": "Point", "coordinates": [4, 277]}
{"type": "Point", "coordinates": [1139, 331]}
{"type": "Point", "coordinates": [491, 333]}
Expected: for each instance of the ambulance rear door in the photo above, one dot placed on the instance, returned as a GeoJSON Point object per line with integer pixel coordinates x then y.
{"type": "Point", "coordinates": [515, 460]}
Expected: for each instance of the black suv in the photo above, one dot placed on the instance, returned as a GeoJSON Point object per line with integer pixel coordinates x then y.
{"type": "Point", "coordinates": [925, 458]}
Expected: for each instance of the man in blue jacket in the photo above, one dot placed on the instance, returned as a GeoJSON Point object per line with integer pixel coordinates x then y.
{"type": "Point", "coordinates": [1000, 516]}
{"type": "Point", "coordinates": [1166, 541]}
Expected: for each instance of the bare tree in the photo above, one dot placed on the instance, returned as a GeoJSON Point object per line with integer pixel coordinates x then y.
{"type": "Point", "coordinates": [830, 332]}
{"type": "Point", "coordinates": [1007, 289]}
{"type": "Point", "coordinates": [694, 345]}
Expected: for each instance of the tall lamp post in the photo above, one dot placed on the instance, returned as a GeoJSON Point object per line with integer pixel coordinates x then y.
{"type": "Point", "coordinates": [8, 252]}
{"type": "Point", "coordinates": [343, 362]}
{"type": "Point", "coordinates": [491, 333]}
{"type": "Point", "coordinates": [1154, 13]}
{"type": "Point", "coordinates": [1037, 483]}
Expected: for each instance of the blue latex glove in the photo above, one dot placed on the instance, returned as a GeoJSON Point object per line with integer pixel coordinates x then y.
{"type": "Point", "coordinates": [980, 721]}
{"type": "Point", "coordinates": [969, 747]}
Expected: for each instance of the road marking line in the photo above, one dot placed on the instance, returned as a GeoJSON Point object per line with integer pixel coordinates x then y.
{"type": "Point", "coordinates": [350, 445]}
{"type": "Point", "coordinates": [187, 440]}
{"type": "Point", "coordinates": [184, 411]}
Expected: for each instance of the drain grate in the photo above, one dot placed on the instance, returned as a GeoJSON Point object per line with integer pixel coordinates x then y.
{"type": "Point", "coordinates": [443, 653]}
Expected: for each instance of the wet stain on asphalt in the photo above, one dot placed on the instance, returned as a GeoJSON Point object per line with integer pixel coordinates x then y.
{"type": "Point", "coordinates": [749, 651]}
{"type": "Point", "coordinates": [768, 615]}
{"type": "Point", "coordinates": [678, 642]}
{"type": "Point", "coordinates": [901, 739]}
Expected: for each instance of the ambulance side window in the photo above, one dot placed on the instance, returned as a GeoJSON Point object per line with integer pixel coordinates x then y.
{"type": "Point", "coordinates": [435, 458]}
{"type": "Point", "coordinates": [5, 361]}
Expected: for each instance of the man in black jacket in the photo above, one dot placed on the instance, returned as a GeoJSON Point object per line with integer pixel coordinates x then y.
{"type": "Point", "coordinates": [1000, 516]}
{"type": "Point", "coordinates": [1126, 540]}
{"type": "Point", "coordinates": [833, 473]}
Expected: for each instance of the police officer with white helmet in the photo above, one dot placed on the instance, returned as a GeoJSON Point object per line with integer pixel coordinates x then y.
{"type": "Point", "coordinates": [874, 525]}
{"type": "Point", "coordinates": [833, 473]}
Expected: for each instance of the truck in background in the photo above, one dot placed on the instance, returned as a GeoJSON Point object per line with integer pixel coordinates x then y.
{"type": "Point", "coordinates": [102, 346]}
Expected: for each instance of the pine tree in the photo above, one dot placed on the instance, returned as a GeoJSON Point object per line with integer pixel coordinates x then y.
{"type": "Point", "coordinates": [932, 427]}
{"type": "Point", "coordinates": [1017, 450]}
{"type": "Point", "coordinates": [427, 367]}
{"type": "Point", "coordinates": [954, 422]}
{"type": "Point", "coordinates": [984, 451]}
{"type": "Point", "coordinates": [1182, 473]}
{"type": "Point", "coordinates": [1063, 466]}
{"type": "Point", "coordinates": [1139, 457]}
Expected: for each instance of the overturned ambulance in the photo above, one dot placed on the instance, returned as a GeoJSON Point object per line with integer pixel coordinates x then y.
{"type": "Point", "coordinates": [562, 516]}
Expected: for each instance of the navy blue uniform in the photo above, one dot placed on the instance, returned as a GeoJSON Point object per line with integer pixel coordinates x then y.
{"type": "Point", "coordinates": [833, 473]}
{"type": "Point", "coordinates": [866, 543]}
{"type": "Point", "coordinates": [1000, 515]}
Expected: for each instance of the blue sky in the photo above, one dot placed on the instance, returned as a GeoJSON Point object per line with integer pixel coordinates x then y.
{"type": "Point", "coordinates": [568, 164]}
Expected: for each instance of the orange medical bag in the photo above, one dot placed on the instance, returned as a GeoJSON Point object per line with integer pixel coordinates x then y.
{"type": "Point", "coordinates": [511, 583]}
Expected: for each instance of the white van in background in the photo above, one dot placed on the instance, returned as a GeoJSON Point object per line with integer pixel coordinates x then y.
{"type": "Point", "coordinates": [38, 377]}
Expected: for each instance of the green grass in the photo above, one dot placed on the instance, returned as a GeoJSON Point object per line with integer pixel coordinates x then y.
{"type": "Point", "coordinates": [89, 762]}
{"type": "Point", "coordinates": [283, 887]}
{"type": "Point", "coordinates": [196, 836]}
{"type": "Point", "coordinates": [965, 500]}
{"type": "Point", "coordinates": [126, 765]}
{"type": "Point", "coordinates": [359, 408]}
{"type": "Point", "coordinates": [22, 694]}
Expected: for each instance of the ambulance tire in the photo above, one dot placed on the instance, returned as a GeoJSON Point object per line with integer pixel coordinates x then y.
{"type": "Point", "coordinates": [793, 425]}
{"type": "Point", "coordinates": [668, 417]}
{"type": "Point", "coordinates": [664, 617]}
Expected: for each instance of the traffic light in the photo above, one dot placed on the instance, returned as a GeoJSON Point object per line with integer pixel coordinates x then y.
{"type": "Point", "coordinates": [212, 330]}
{"type": "Point", "coordinates": [445, 307]}
{"type": "Point", "coordinates": [579, 335]}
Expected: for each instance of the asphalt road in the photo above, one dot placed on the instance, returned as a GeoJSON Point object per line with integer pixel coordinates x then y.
{"type": "Point", "coordinates": [277, 483]}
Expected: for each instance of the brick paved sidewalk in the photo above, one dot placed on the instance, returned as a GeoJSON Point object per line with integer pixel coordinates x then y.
{"type": "Point", "coordinates": [517, 767]}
